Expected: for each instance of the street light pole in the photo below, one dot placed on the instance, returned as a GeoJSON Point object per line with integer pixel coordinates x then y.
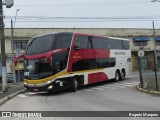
{"type": "Point", "coordinates": [12, 46]}
{"type": "Point", "coordinates": [155, 1]}
{"type": "Point", "coordinates": [14, 73]}
{"type": "Point", "coordinates": [3, 53]}
{"type": "Point", "coordinates": [155, 57]}
{"type": "Point", "coordinates": [16, 16]}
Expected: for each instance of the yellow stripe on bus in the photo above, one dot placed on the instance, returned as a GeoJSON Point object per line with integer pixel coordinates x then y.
{"type": "Point", "coordinates": [45, 79]}
{"type": "Point", "coordinates": [58, 75]}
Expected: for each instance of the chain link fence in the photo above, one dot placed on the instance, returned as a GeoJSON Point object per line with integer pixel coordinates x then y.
{"type": "Point", "coordinates": [149, 79]}
{"type": "Point", "coordinates": [0, 83]}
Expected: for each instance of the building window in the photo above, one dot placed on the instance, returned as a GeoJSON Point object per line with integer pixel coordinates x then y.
{"type": "Point", "coordinates": [157, 39]}
{"type": "Point", "coordinates": [157, 43]}
{"type": "Point", "coordinates": [140, 43]}
{"type": "Point", "coordinates": [20, 44]}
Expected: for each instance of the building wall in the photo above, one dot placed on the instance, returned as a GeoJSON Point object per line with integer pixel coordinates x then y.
{"type": "Point", "coordinates": [148, 60]}
{"type": "Point", "coordinates": [121, 32]}
{"type": "Point", "coordinates": [26, 34]}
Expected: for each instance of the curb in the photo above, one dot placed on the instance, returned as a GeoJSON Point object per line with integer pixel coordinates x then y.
{"type": "Point", "coordinates": [3, 100]}
{"type": "Point", "coordinates": [148, 91]}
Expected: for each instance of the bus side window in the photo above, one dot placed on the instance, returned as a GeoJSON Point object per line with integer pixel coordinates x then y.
{"type": "Point", "coordinates": [99, 43]}
{"type": "Point", "coordinates": [126, 44]}
{"type": "Point", "coordinates": [95, 43]}
{"type": "Point", "coordinates": [80, 65]}
{"type": "Point", "coordinates": [81, 42]}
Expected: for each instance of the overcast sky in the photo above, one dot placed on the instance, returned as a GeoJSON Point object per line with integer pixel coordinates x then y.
{"type": "Point", "coordinates": [83, 14]}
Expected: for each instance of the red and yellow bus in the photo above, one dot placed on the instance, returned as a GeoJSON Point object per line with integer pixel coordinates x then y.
{"type": "Point", "coordinates": [68, 60]}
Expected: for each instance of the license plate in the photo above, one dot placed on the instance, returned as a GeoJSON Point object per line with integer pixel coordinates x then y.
{"type": "Point", "coordinates": [36, 90]}
{"type": "Point", "coordinates": [61, 84]}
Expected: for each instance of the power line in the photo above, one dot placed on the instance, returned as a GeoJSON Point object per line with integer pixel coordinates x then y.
{"type": "Point", "coordinates": [82, 19]}
{"type": "Point", "coordinates": [101, 4]}
{"type": "Point", "coordinates": [88, 21]}
{"type": "Point", "coordinates": [112, 17]}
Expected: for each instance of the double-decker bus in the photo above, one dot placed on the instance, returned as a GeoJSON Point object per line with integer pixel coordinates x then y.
{"type": "Point", "coordinates": [68, 60]}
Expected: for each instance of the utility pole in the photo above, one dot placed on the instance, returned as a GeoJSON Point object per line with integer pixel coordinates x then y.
{"type": "Point", "coordinates": [13, 66]}
{"type": "Point", "coordinates": [3, 53]}
{"type": "Point", "coordinates": [9, 4]}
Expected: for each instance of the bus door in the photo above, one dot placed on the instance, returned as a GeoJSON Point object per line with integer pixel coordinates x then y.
{"type": "Point", "coordinates": [80, 53]}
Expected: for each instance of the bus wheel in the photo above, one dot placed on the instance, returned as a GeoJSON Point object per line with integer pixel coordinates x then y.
{"type": "Point", "coordinates": [74, 85]}
{"type": "Point", "coordinates": [123, 75]}
{"type": "Point", "coordinates": [117, 76]}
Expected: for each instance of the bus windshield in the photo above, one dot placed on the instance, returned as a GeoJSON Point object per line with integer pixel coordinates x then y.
{"type": "Point", "coordinates": [37, 69]}
{"type": "Point", "coordinates": [49, 42]}
{"type": "Point", "coordinates": [40, 68]}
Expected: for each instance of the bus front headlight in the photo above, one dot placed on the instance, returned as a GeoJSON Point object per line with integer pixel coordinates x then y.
{"type": "Point", "coordinates": [50, 87]}
{"type": "Point", "coordinates": [25, 83]}
{"type": "Point", "coordinates": [49, 82]}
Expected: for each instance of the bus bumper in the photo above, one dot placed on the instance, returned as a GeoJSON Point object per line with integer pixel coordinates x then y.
{"type": "Point", "coordinates": [53, 86]}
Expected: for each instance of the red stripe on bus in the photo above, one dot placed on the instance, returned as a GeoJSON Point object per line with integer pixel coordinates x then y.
{"type": "Point", "coordinates": [90, 54]}
{"type": "Point", "coordinates": [37, 56]}
{"type": "Point", "coordinates": [87, 54]}
{"type": "Point", "coordinates": [97, 77]}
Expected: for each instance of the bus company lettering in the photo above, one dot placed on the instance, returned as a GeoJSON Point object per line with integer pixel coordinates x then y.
{"type": "Point", "coordinates": [77, 56]}
{"type": "Point", "coordinates": [119, 53]}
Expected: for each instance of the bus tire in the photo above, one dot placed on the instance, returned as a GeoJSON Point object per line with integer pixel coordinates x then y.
{"type": "Point", "coordinates": [117, 76]}
{"type": "Point", "coordinates": [123, 75]}
{"type": "Point", "coordinates": [74, 85]}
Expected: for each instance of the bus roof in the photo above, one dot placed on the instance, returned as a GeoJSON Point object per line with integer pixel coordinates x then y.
{"type": "Point", "coordinates": [101, 36]}
{"type": "Point", "coordinates": [78, 33]}
{"type": "Point", "coordinates": [52, 33]}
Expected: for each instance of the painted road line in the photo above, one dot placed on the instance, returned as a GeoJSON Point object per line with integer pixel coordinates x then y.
{"type": "Point", "coordinates": [98, 88]}
{"type": "Point", "coordinates": [90, 90]}
{"type": "Point", "coordinates": [127, 83]}
{"type": "Point", "coordinates": [31, 93]}
{"type": "Point", "coordinates": [107, 87]}
{"type": "Point", "coordinates": [22, 96]}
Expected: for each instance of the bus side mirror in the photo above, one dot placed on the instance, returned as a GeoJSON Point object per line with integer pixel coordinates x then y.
{"type": "Point", "coordinates": [17, 58]}
{"type": "Point", "coordinates": [76, 48]}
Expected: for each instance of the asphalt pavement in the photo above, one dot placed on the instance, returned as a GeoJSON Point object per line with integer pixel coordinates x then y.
{"type": "Point", "coordinates": [106, 96]}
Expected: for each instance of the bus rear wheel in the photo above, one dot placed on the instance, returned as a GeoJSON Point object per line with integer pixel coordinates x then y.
{"type": "Point", "coordinates": [74, 85]}
{"type": "Point", "coordinates": [117, 76]}
{"type": "Point", "coordinates": [123, 75]}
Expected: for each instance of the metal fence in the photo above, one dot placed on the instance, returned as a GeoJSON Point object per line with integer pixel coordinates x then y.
{"type": "Point", "coordinates": [150, 78]}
